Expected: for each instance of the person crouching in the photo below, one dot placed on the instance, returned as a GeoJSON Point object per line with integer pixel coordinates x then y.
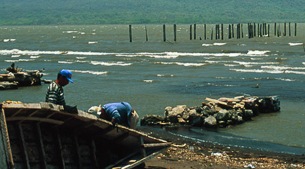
{"type": "Point", "coordinates": [118, 113]}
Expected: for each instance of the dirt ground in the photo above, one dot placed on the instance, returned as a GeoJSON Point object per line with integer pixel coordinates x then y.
{"type": "Point", "coordinates": [186, 154]}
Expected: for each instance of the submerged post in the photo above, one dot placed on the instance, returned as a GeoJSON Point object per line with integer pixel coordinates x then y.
{"type": "Point", "coordinates": [195, 31]}
{"type": "Point", "coordinates": [205, 31]}
{"type": "Point", "coordinates": [130, 34]}
{"type": "Point", "coordinates": [190, 32]}
{"type": "Point", "coordinates": [175, 32]}
{"type": "Point", "coordinates": [146, 35]}
{"type": "Point", "coordinates": [164, 33]}
{"type": "Point", "coordinates": [295, 29]}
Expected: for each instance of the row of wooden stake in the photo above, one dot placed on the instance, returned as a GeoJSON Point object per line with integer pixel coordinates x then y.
{"type": "Point", "coordinates": [254, 30]}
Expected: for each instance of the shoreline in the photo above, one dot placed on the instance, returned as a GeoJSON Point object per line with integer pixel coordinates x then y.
{"type": "Point", "coordinates": [187, 153]}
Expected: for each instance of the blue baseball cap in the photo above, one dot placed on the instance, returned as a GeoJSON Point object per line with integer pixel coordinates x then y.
{"type": "Point", "coordinates": [67, 73]}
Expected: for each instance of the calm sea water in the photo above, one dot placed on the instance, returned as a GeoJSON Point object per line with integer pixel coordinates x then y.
{"type": "Point", "coordinates": [154, 74]}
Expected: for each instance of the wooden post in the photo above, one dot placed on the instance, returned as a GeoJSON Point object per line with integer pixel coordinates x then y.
{"type": "Point", "coordinates": [254, 29]}
{"type": "Point", "coordinates": [146, 34]}
{"type": "Point", "coordinates": [216, 31]}
{"type": "Point", "coordinates": [24, 147]}
{"type": "Point", "coordinates": [238, 31]}
{"type": "Point", "coordinates": [268, 30]}
{"type": "Point", "coordinates": [190, 32]}
{"type": "Point", "coordinates": [229, 34]}
{"type": "Point", "coordinates": [130, 34]}
{"type": "Point", "coordinates": [195, 31]}
{"type": "Point", "coordinates": [284, 34]}
{"type": "Point", "coordinates": [242, 31]}
{"type": "Point", "coordinates": [289, 29]}
{"type": "Point", "coordinates": [205, 31]}
{"type": "Point", "coordinates": [274, 29]}
{"type": "Point", "coordinates": [164, 33]}
{"type": "Point", "coordinates": [232, 30]}
{"type": "Point", "coordinates": [41, 147]}
{"type": "Point", "coordinates": [175, 32]}
{"type": "Point", "coordinates": [212, 34]}
{"type": "Point", "coordinates": [221, 31]}
{"type": "Point", "coordinates": [295, 29]}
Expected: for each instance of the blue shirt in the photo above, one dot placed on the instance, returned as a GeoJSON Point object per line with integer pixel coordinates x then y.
{"type": "Point", "coordinates": [120, 111]}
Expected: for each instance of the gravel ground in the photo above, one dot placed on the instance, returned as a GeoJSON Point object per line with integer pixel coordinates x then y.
{"type": "Point", "coordinates": [185, 154]}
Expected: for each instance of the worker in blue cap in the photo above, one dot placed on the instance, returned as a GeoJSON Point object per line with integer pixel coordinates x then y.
{"type": "Point", "coordinates": [55, 92]}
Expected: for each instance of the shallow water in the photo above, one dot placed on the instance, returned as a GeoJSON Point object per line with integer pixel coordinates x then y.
{"type": "Point", "coordinates": [155, 74]}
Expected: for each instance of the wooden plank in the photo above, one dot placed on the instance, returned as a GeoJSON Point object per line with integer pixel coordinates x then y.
{"type": "Point", "coordinates": [59, 149]}
{"type": "Point", "coordinates": [38, 119]}
{"type": "Point", "coordinates": [154, 145]}
{"type": "Point", "coordinates": [23, 147]}
{"type": "Point", "coordinates": [133, 165]}
{"type": "Point", "coordinates": [143, 149]}
{"type": "Point", "coordinates": [17, 112]}
{"type": "Point", "coordinates": [41, 147]}
{"type": "Point", "coordinates": [6, 142]}
{"type": "Point", "coordinates": [93, 154]}
{"type": "Point", "coordinates": [76, 144]}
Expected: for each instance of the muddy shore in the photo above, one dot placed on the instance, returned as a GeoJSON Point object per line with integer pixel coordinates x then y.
{"type": "Point", "coordinates": [185, 153]}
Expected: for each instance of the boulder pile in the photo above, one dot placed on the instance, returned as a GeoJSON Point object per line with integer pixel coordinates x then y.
{"type": "Point", "coordinates": [215, 113]}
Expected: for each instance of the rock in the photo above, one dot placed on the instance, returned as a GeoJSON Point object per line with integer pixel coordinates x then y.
{"type": "Point", "coordinates": [151, 120]}
{"type": "Point", "coordinates": [210, 121]}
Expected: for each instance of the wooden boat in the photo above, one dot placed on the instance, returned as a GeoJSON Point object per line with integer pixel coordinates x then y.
{"type": "Point", "coordinates": [42, 135]}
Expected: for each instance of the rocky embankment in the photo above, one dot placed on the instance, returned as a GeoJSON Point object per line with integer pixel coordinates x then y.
{"type": "Point", "coordinates": [216, 112]}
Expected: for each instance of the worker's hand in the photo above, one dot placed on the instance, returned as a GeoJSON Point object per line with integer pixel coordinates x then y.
{"type": "Point", "coordinates": [113, 121]}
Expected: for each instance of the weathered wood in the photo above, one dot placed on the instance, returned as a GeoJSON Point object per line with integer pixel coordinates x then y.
{"type": "Point", "coordinates": [9, 162]}
{"type": "Point", "coordinates": [61, 162]}
{"type": "Point", "coordinates": [164, 33]}
{"type": "Point", "coordinates": [155, 145]}
{"type": "Point", "coordinates": [23, 147]}
{"type": "Point", "coordinates": [191, 34]}
{"type": "Point", "coordinates": [130, 33]}
{"type": "Point", "coordinates": [195, 31]}
{"type": "Point", "coordinates": [205, 31]}
{"type": "Point", "coordinates": [146, 34]}
{"type": "Point", "coordinates": [93, 154]}
{"type": "Point", "coordinates": [175, 32]}
{"type": "Point", "coordinates": [41, 147]}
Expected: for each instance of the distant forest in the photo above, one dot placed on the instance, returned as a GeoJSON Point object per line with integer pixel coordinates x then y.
{"type": "Point", "coordinates": [85, 12]}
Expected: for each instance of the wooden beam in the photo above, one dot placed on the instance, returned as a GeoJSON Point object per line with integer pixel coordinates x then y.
{"type": "Point", "coordinates": [41, 147]}
{"type": "Point", "coordinates": [7, 139]}
{"type": "Point", "coordinates": [59, 150]}
{"type": "Point", "coordinates": [93, 154]}
{"type": "Point", "coordinates": [154, 145]}
{"type": "Point", "coordinates": [23, 147]}
{"type": "Point", "coordinates": [38, 119]}
{"type": "Point", "coordinates": [76, 144]}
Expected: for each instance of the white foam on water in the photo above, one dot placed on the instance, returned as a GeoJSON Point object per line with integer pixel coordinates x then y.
{"type": "Point", "coordinates": [163, 75]}
{"type": "Point", "coordinates": [214, 44]}
{"type": "Point", "coordinates": [258, 52]}
{"type": "Point", "coordinates": [257, 71]}
{"type": "Point", "coordinates": [90, 72]}
{"type": "Point", "coordinates": [65, 62]}
{"type": "Point", "coordinates": [81, 57]}
{"type": "Point", "coordinates": [34, 57]}
{"type": "Point", "coordinates": [20, 60]}
{"type": "Point", "coordinates": [181, 64]}
{"type": "Point", "coordinates": [148, 81]}
{"type": "Point", "coordinates": [255, 63]}
{"type": "Point", "coordinates": [283, 68]}
{"type": "Point", "coordinates": [15, 56]}
{"type": "Point", "coordinates": [287, 80]}
{"type": "Point", "coordinates": [93, 42]}
{"type": "Point", "coordinates": [110, 63]}
{"type": "Point", "coordinates": [70, 32]}
{"type": "Point", "coordinates": [295, 44]}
